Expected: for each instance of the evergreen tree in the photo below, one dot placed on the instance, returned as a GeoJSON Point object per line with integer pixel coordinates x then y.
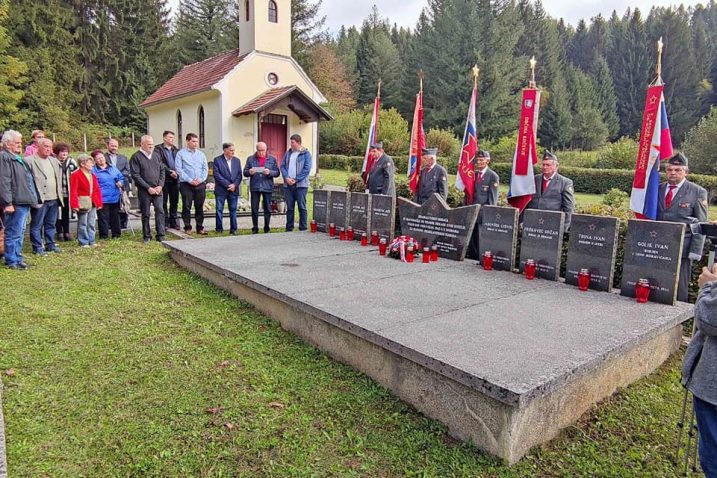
{"type": "Point", "coordinates": [307, 28]}
{"type": "Point", "coordinates": [605, 97]}
{"type": "Point", "coordinates": [204, 29]}
{"type": "Point", "coordinates": [12, 76]}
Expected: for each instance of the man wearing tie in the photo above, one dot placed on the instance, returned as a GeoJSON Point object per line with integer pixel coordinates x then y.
{"type": "Point", "coordinates": [683, 201]}
{"type": "Point", "coordinates": [433, 179]}
{"type": "Point", "coordinates": [553, 192]}
{"type": "Point", "coordinates": [227, 177]}
{"type": "Point", "coordinates": [485, 193]}
{"type": "Point", "coordinates": [380, 177]}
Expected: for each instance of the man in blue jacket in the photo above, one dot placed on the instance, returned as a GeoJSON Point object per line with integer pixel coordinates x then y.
{"type": "Point", "coordinates": [262, 169]}
{"type": "Point", "coordinates": [295, 168]}
{"type": "Point", "coordinates": [227, 187]}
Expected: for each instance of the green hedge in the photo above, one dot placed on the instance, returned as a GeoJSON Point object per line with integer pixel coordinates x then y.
{"type": "Point", "coordinates": [586, 180]}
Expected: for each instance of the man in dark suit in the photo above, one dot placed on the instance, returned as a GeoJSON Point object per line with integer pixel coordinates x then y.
{"type": "Point", "coordinates": [485, 192]}
{"type": "Point", "coordinates": [380, 177]}
{"type": "Point", "coordinates": [166, 153]}
{"type": "Point", "coordinates": [683, 201]}
{"type": "Point", "coordinates": [433, 178]}
{"type": "Point", "coordinates": [227, 187]}
{"type": "Point", "coordinates": [553, 192]}
{"type": "Point", "coordinates": [262, 169]}
{"type": "Point", "coordinates": [120, 162]}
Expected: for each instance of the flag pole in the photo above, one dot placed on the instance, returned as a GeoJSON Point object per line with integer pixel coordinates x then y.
{"type": "Point", "coordinates": [476, 72]}
{"type": "Point", "coordinates": [378, 93]}
{"type": "Point", "coordinates": [660, 45]}
{"type": "Point", "coordinates": [421, 75]}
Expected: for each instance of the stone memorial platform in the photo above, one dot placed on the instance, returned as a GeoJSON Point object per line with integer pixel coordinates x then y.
{"type": "Point", "coordinates": [504, 362]}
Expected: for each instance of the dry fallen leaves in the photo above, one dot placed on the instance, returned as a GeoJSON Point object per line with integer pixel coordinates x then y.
{"type": "Point", "coordinates": [229, 426]}
{"type": "Point", "coordinates": [277, 405]}
{"type": "Point", "coordinates": [10, 372]}
{"type": "Point", "coordinates": [214, 410]}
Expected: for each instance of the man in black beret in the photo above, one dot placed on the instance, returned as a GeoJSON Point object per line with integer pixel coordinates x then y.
{"type": "Point", "coordinates": [683, 201]}
{"type": "Point", "coordinates": [380, 177]}
{"type": "Point", "coordinates": [553, 192]}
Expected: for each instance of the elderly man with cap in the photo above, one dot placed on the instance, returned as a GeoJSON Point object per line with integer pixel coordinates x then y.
{"type": "Point", "coordinates": [683, 201]}
{"type": "Point", "coordinates": [433, 178]}
{"type": "Point", "coordinates": [485, 192]}
{"type": "Point", "coordinates": [553, 192]}
{"type": "Point", "coordinates": [380, 176]}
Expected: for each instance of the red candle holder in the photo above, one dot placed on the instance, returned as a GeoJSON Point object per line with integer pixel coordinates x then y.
{"type": "Point", "coordinates": [374, 238]}
{"type": "Point", "coordinates": [342, 234]}
{"type": "Point", "coordinates": [332, 229]}
{"type": "Point", "coordinates": [409, 254]}
{"type": "Point", "coordinates": [529, 268]}
{"type": "Point", "coordinates": [642, 290]}
{"type": "Point", "coordinates": [382, 247]}
{"type": "Point", "coordinates": [364, 239]}
{"type": "Point", "coordinates": [314, 228]}
{"type": "Point", "coordinates": [488, 260]}
{"type": "Point", "coordinates": [350, 233]}
{"type": "Point", "coordinates": [583, 279]}
{"type": "Point", "coordinates": [434, 253]}
{"type": "Point", "coordinates": [426, 257]}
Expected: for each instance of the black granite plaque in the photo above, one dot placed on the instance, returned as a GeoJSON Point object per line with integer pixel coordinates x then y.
{"type": "Point", "coordinates": [653, 250]}
{"type": "Point", "coordinates": [592, 246]}
{"type": "Point", "coordinates": [321, 209]}
{"type": "Point", "coordinates": [542, 241]}
{"type": "Point", "coordinates": [498, 233]}
{"type": "Point", "coordinates": [383, 216]}
{"type": "Point", "coordinates": [359, 214]}
{"type": "Point", "coordinates": [434, 223]}
{"type": "Point", "coordinates": [339, 204]}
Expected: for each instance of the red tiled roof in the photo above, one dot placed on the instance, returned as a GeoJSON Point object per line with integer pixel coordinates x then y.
{"type": "Point", "coordinates": [196, 77]}
{"type": "Point", "coordinates": [263, 100]}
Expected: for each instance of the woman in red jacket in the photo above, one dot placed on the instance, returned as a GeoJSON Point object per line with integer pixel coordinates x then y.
{"type": "Point", "coordinates": [85, 200]}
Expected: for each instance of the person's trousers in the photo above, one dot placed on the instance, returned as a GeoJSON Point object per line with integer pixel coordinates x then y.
{"type": "Point", "coordinates": [193, 196]}
{"type": "Point", "coordinates": [62, 226]}
{"type": "Point", "coordinates": [146, 201]}
{"type": "Point", "coordinates": [109, 218]}
{"type": "Point", "coordinates": [683, 284]}
{"type": "Point", "coordinates": [266, 200]}
{"type": "Point", "coordinates": [706, 415]}
{"type": "Point", "coordinates": [42, 223]}
{"type": "Point", "coordinates": [295, 197]}
{"type": "Point", "coordinates": [15, 233]}
{"type": "Point", "coordinates": [86, 227]}
{"type": "Point", "coordinates": [171, 202]}
{"type": "Point", "coordinates": [233, 200]}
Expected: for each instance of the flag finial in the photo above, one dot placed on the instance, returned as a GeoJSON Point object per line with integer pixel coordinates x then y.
{"type": "Point", "coordinates": [660, 46]}
{"type": "Point", "coordinates": [532, 71]}
{"type": "Point", "coordinates": [378, 93]}
{"type": "Point", "coordinates": [476, 72]}
{"type": "Point", "coordinates": [421, 76]}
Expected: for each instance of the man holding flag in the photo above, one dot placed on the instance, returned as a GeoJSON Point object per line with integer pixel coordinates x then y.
{"type": "Point", "coordinates": [553, 191]}
{"type": "Point", "coordinates": [380, 176]}
{"type": "Point", "coordinates": [433, 177]}
{"type": "Point", "coordinates": [485, 192]}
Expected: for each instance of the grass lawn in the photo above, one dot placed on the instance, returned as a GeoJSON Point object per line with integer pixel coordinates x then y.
{"type": "Point", "coordinates": [116, 362]}
{"type": "Point", "coordinates": [338, 177]}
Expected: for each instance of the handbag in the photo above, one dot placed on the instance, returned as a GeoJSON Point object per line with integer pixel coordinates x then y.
{"type": "Point", "coordinates": [86, 201]}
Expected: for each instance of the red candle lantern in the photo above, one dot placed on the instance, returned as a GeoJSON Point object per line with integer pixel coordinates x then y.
{"type": "Point", "coordinates": [342, 234]}
{"type": "Point", "coordinates": [434, 253]}
{"type": "Point", "coordinates": [350, 233]}
{"type": "Point", "coordinates": [313, 226]}
{"type": "Point", "coordinates": [426, 255]}
{"type": "Point", "coordinates": [382, 247]}
{"type": "Point", "coordinates": [409, 254]}
{"type": "Point", "coordinates": [364, 239]}
{"type": "Point", "coordinates": [583, 279]}
{"type": "Point", "coordinates": [642, 290]}
{"type": "Point", "coordinates": [332, 229]}
{"type": "Point", "coordinates": [488, 260]}
{"type": "Point", "coordinates": [529, 269]}
{"type": "Point", "coordinates": [374, 238]}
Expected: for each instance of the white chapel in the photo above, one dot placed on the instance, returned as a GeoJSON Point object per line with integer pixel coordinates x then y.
{"type": "Point", "coordinates": [257, 92]}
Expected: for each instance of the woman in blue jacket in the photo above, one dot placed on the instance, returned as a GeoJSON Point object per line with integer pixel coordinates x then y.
{"type": "Point", "coordinates": [111, 181]}
{"type": "Point", "coordinates": [262, 169]}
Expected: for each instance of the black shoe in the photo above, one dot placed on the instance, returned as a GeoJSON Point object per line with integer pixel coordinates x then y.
{"type": "Point", "coordinates": [55, 250]}
{"type": "Point", "coordinates": [146, 240]}
{"type": "Point", "coordinates": [202, 232]}
{"type": "Point", "coordinates": [160, 238]}
{"type": "Point", "coordinates": [20, 266]}
{"type": "Point", "coordinates": [233, 233]}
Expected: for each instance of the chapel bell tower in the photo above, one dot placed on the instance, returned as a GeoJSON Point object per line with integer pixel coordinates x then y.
{"type": "Point", "coordinates": [265, 25]}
